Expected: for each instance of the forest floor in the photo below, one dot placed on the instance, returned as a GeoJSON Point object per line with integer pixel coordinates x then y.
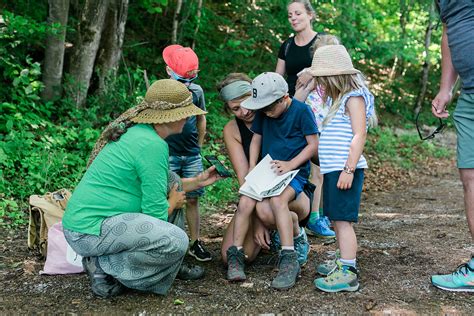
{"type": "Point", "coordinates": [412, 225]}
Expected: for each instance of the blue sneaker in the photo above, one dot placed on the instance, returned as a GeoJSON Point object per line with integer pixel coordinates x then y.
{"type": "Point", "coordinates": [302, 247]}
{"type": "Point", "coordinates": [320, 228]}
{"type": "Point", "coordinates": [461, 280]}
{"type": "Point", "coordinates": [328, 222]}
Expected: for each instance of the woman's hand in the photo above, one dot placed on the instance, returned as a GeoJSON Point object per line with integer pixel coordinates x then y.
{"type": "Point", "coordinates": [261, 235]}
{"type": "Point", "coordinates": [176, 199]}
{"type": "Point", "coordinates": [345, 181]}
{"type": "Point", "coordinates": [280, 167]}
{"type": "Point", "coordinates": [207, 177]}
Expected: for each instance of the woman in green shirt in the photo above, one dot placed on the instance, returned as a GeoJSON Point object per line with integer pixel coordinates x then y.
{"type": "Point", "coordinates": [117, 217]}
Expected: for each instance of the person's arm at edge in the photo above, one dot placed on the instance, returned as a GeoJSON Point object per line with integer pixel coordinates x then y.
{"type": "Point", "coordinates": [235, 150]}
{"type": "Point", "coordinates": [448, 79]}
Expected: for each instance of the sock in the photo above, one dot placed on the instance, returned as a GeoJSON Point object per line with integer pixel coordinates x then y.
{"type": "Point", "coordinates": [348, 262]}
{"type": "Point", "coordinates": [313, 216]}
{"type": "Point", "coordinates": [471, 262]}
{"type": "Point", "coordinates": [239, 247]}
{"type": "Point", "coordinates": [287, 247]}
{"type": "Point", "coordinates": [321, 212]}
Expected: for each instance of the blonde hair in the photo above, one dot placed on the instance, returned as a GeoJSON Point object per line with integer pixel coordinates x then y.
{"type": "Point", "coordinates": [324, 40]}
{"type": "Point", "coordinates": [307, 6]}
{"type": "Point", "coordinates": [336, 87]}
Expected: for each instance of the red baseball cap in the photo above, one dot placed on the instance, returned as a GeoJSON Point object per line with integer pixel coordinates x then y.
{"type": "Point", "coordinates": [182, 60]}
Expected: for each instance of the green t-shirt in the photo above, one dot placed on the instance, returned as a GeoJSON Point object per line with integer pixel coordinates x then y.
{"type": "Point", "coordinates": [128, 176]}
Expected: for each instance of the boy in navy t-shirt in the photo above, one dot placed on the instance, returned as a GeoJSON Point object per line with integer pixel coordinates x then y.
{"type": "Point", "coordinates": [285, 129]}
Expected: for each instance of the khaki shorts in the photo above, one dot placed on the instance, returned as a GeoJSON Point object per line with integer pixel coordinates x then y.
{"type": "Point", "coordinates": [464, 122]}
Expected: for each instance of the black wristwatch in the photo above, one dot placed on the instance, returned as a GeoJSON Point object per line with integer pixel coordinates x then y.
{"type": "Point", "coordinates": [348, 169]}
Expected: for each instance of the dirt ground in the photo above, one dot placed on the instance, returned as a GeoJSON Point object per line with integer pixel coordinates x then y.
{"type": "Point", "coordinates": [406, 233]}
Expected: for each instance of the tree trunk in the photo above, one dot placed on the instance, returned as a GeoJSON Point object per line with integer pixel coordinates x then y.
{"type": "Point", "coordinates": [174, 32]}
{"type": "Point", "coordinates": [426, 65]}
{"type": "Point", "coordinates": [198, 22]}
{"type": "Point", "coordinates": [110, 49]}
{"type": "Point", "coordinates": [54, 53]}
{"type": "Point", "coordinates": [86, 47]}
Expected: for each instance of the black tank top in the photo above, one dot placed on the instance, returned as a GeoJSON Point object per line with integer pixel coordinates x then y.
{"type": "Point", "coordinates": [245, 136]}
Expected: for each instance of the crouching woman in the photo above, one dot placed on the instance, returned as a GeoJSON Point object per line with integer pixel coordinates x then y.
{"type": "Point", "coordinates": [117, 218]}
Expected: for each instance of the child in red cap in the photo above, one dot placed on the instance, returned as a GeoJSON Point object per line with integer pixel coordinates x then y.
{"type": "Point", "coordinates": [182, 64]}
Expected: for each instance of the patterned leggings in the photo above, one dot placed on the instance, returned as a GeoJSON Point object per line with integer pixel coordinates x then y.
{"type": "Point", "coordinates": [140, 251]}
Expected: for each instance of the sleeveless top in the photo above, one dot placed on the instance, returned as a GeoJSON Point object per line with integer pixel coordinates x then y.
{"type": "Point", "coordinates": [336, 136]}
{"type": "Point", "coordinates": [246, 137]}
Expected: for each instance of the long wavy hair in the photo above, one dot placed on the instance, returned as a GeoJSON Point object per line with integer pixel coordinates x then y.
{"type": "Point", "coordinates": [335, 87]}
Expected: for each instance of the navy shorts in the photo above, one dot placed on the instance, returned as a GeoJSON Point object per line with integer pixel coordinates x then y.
{"type": "Point", "coordinates": [188, 167]}
{"type": "Point", "coordinates": [297, 183]}
{"type": "Point", "coordinates": [342, 205]}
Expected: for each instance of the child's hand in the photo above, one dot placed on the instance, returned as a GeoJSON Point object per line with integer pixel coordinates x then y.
{"type": "Point", "coordinates": [280, 167]}
{"type": "Point", "coordinates": [345, 181]}
{"type": "Point", "coordinates": [176, 199]}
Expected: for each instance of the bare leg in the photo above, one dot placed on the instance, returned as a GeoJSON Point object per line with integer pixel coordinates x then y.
{"type": "Point", "coordinates": [467, 179]}
{"type": "Point", "coordinates": [251, 249]}
{"type": "Point", "coordinates": [192, 218]}
{"type": "Point", "coordinates": [317, 179]}
{"type": "Point", "coordinates": [347, 239]}
{"type": "Point", "coordinates": [282, 215]}
{"type": "Point", "coordinates": [242, 219]}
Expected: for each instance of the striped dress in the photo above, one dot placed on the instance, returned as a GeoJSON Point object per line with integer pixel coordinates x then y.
{"type": "Point", "coordinates": [336, 136]}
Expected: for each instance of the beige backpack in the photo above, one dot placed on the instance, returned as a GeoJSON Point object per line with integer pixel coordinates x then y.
{"type": "Point", "coordinates": [45, 211]}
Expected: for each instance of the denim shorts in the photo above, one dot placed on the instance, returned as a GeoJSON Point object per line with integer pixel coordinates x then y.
{"type": "Point", "coordinates": [342, 205]}
{"type": "Point", "coordinates": [464, 122]}
{"type": "Point", "coordinates": [188, 167]}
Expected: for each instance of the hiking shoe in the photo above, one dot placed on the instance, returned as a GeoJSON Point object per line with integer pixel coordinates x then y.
{"type": "Point", "coordinates": [461, 280]}
{"type": "Point", "coordinates": [190, 272]}
{"type": "Point", "coordinates": [342, 278]}
{"type": "Point", "coordinates": [235, 264]}
{"type": "Point", "coordinates": [102, 284]}
{"type": "Point", "coordinates": [198, 251]}
{"type": "Point", "coordinates": [275, 243]}
{"type": "Point", "coordinates": [288, 270]}
{"type": "Point", "coordinates": [301, 247]}
{"type": "Point", "coordinates": [328, 266]}
{"type": "Point", "coordinates": [320, 228]}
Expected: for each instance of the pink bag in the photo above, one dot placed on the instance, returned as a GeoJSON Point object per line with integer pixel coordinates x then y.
{"type": "Point", "coordinates": [60, 259]}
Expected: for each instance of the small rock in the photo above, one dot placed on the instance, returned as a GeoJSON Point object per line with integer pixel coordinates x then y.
{"type": "Point", "coordinates": [247, 285]}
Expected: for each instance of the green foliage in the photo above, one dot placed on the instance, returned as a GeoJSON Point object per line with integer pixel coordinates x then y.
{"type": "Point", "coordinates": [45, 146]}
{"type": "Point", "coordinates": [402, 148]}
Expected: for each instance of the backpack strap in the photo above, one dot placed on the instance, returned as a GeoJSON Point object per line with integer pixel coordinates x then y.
{"type": "Point", "coordinates": [287, 45]}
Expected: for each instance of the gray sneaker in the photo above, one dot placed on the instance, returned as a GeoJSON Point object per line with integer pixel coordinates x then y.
{"type": "Point", "coordinates": [190, 272]}
{"type": "Point", "coordinates": [288, 270]}
{"type": "Point", "coordinates": [326, 267]}
{"type": "Point", "coordinates": [235, 264]}
{"type": "Point", "coordinates": [102, 284]}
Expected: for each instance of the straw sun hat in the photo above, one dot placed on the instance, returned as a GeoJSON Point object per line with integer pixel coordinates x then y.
{"type": "Point", "coordinates": [166, 101]}
{"type": "Point", "coordinates": [332, 60]}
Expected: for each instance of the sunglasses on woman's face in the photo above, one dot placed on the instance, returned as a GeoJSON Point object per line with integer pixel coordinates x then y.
{"type": "Point", "coordinates": [183, 80]}
{"type": "Point", "coordinates": [424, 136]}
